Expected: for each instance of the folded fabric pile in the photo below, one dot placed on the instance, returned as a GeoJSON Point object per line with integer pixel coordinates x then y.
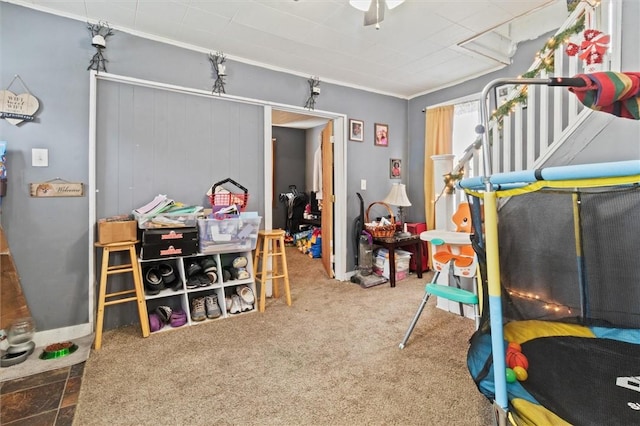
{"type": "Point", "coordinates": [616, 93]}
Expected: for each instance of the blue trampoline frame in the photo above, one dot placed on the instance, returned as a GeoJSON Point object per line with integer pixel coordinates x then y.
{"type": "Point", "coordinates": [489, 186]}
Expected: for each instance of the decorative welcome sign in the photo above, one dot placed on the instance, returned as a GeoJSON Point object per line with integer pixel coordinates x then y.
{"type": "Point", "coordinates": [18, 108]}
{"type": "Point", "coordinates": [56, 188]}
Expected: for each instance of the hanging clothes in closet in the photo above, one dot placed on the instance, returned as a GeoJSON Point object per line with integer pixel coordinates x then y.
{"type": "Point", "coordinates": [295, 203]}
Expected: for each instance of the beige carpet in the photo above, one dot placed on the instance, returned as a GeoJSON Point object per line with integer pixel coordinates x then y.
{"type": "Point", "coordinates": [332, 358]}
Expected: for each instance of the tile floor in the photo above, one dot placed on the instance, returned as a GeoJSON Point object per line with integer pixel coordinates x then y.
{"type": "Point", "coordinates": [47, 398]}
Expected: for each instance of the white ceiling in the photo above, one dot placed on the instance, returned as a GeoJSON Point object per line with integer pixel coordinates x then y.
{"type": "Point", "coordinates": [417, 49]}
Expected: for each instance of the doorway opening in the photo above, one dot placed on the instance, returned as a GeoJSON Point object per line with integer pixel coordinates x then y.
{"type": "Point", "coordinates": [295, 137]}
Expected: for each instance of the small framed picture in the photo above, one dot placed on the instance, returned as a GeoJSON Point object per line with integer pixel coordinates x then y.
{"type": "Point", "coordinates": [503, 93]}
{"type": "Point", "coordinates": [395, 168]}
{"type": "Point", "coordinates": [355, 130]}
{"type": "Point", "coordinates": [381, 132]}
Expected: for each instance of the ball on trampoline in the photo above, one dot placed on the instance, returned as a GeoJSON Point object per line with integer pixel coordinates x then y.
{"type": "Point", "coordinates": [517, 359]}
{"type": "Point", "coordinates": [514, 346]}
{"type": "Point", "coordinates": [511, 375]}
{"type": "Point", "coordinates": [521, 373]}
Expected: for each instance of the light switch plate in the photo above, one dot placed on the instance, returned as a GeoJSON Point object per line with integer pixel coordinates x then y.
{"type": "Point", "coordinates": [39, 157]}
{"type": "Point", "coordinates": [363, 184]}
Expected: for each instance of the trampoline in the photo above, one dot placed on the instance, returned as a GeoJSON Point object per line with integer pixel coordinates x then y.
{"type": "Point", "coordinates": [558, 252]}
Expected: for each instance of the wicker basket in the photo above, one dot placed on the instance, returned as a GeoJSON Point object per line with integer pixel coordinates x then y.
{"type": "Point", "coordinates": [380, 231]}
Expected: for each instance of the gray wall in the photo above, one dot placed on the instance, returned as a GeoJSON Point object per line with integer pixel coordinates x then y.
{"type": "Point", "coordinates": [152, 141]}
{"type": "Point", "coordinates": [49, 237]}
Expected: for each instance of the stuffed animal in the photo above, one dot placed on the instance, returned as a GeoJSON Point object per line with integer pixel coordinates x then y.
{"type": "Point", "coordinates": [462, 255]}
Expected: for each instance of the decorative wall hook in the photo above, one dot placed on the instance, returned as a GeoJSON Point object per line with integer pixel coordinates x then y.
{"type": "Point", "coordinates": [99, 33]}
{"type": "Point", "coordinates": [314, 92]}
{"type": "Point", "coordinates": [220, 70]}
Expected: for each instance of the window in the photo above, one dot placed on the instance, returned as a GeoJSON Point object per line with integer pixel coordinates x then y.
{"type": "Point", "coordinates": [466, 117]}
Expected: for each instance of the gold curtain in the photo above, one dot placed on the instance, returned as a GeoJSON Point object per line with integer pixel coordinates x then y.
{"type": "Point", "coordinates": [438, 140]}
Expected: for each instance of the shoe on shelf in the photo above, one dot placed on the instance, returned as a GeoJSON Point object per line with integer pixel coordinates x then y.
{"type": "Point", "coordinates": [204, 280]}
{"type": "Point", "coordinates": [233, 272]}
{"type": "Point", "coordinates": [164, 312]}
{"type": "Point", "coordinates": [244, 306]}
{"type": "Point", "coordinates": [212, 276]}
{"type": "Point", "coordinates": [243, 274]}
{"type": "Point", "coordinates": [193, 268]}
{"type": "Point", "coordinates": [198, 312]}
{"type": "Point", "coordinates": [227, 303]}
{"type": "Point", "coordinates": [153, 281]}
{"type": "Point", "coordinates": [178, 318]}
{"type": "Point", "coordinates": [177, 285]}
{"type": "Point", "coordinates": [208, 264]}
{"type": "Point", "coordinates": [212, 307]}
{"type": "Point", "coordinates": [168, 275]}
{"type": "Point", "coordinates": [245, 294]}
{"type": "Point", "coordinates": [193, 282]}
{"type": "Point", "coordinates": [236, 306]}
{"type": "Point", "coordinates": [239, 262]}
{"type": "Point", "coordinates": [155, 323]}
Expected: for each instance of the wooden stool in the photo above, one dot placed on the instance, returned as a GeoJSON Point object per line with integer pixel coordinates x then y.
{"type": "Point", "coordinates": [269, 248]}
{"type": "Point", "coordinates": [137, 291]}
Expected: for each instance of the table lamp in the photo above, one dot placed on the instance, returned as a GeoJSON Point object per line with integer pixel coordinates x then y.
{"type": "Point", "coordinates": [398, 197]}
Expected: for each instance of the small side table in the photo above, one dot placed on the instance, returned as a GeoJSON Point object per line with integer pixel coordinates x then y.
{"type": "Point", "coordinates": [391, 244]}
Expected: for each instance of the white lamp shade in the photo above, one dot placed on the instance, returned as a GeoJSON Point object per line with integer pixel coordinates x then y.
{"type": "Point", "coordinates": [98, 41]}
{"type": "Point", "coordinates": [398, 196]}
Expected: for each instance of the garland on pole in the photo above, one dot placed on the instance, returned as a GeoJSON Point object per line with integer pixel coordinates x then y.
{"type": "Point", "coordinates": [545, 61]}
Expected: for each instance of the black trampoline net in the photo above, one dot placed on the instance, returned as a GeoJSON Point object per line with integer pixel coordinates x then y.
{"type": "Point", "coordinates": [584, 271]}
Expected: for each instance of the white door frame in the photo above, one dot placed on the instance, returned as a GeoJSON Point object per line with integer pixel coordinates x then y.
{"type": "Point", "coordinates": [339, 180]}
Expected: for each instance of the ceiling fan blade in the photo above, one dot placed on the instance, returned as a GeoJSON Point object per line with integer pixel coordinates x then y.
{"type": "Point", "coordinates": [375, 14]}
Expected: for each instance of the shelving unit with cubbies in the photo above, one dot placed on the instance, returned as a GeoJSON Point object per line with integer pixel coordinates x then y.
{"type": "Point", "coordinates": [225, 245]}
{"type": "Point", "coordinates": [179, 297]}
